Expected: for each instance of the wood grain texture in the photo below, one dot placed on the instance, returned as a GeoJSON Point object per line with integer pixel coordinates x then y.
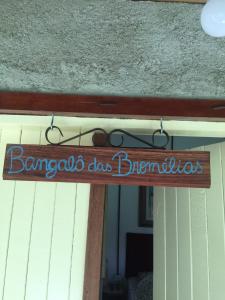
{"type": "Point", "coordinates": [110, 106]}
{"type": "Point", "coordinates": [94, 243]}
{"type": "Point", "coordinates": [133, 167]}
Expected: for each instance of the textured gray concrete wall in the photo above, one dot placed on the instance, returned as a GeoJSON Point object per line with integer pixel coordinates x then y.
{"type": "Point", "coordinates": [109, 47]}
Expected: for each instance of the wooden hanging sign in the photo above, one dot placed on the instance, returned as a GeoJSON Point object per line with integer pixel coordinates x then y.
{"type": "Point", "coordinates": [107, 165]}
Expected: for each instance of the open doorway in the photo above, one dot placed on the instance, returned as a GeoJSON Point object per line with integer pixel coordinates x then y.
{"type": "Point", "coordinates": [118, 278]}
{"type": "Point", "coordinates": [127, 260]}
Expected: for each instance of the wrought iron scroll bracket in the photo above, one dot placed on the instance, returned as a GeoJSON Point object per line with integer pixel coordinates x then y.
{"type": "Point", "coordinates": [109, 137]}
{"type": "Point", "coordinates": [78, 136]}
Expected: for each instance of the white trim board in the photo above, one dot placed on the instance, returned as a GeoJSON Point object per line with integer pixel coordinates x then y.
{"type": "Point", "coordinates": [174, 127]}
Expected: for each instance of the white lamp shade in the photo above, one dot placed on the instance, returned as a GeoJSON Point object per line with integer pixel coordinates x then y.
{"type": "Point", "coordinates": [213, 18]}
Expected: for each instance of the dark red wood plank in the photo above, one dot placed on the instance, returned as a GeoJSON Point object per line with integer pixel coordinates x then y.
{"type": "Point", "coordinates": [110, 106]}
{"type": "Point", "coordinates": [94, 243]}
{"type": "Point", "coordinates": [107, 165]}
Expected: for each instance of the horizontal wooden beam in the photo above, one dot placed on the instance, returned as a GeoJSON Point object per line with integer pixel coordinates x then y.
{"type": "Point", "coordinates": [110, 106]}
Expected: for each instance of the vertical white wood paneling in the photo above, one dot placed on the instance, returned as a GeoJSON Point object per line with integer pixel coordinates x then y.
{"type": "Point", "coordinates": [199, 243]}
{"type": "Point", "coordinates": [187, 271]}
{"type": "Point", "coordinates": [39, 254]}
{"type": "Point", "coordinates": [184, 244]}
{"type": "Point", "coordinates": [215, 218]}
{"type": "Point", "coordinates": [15, 279]}
{"type": "Point", "coordinates": [43, 231]}
{"type": "Point", "coordinates": [200, 231]}
{"type": "Point", "coordinates": [223, 180]}
{"type": "Point", "coordinates": [62, 237]}
{"type": "Point", "coordinates": [159, 289]}
{"type": "Point", "coordinates": [171, 245]}
{"type": "Point", "coordinates": [59, 273]}
{"type": "Point", "coordinates": [80, 236]}
{"type": "Point", "coordinates": [199, 234]}
{"type": "Point", "coordinates": [7, 189]}
{"type": "Point", "coordinates": [79, 242]}
{"type": "Point", "coordinates": [37, 277]}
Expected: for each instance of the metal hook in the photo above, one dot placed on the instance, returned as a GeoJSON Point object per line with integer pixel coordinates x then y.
{"type": "Point", "coordinates": [109, 135]}
{"type": "Point", "coordinates": [50, 129]}
{"type": "Point", "coordinates": [125, 133]}
{"type": "Point", "coordinates": [71, 138]}
{"type": "Point", "coordinates": [161, 126]}
{"type": "Point", "coordinates": [167, 138]}
{"type": "Point", "coordinates": [52, 121]}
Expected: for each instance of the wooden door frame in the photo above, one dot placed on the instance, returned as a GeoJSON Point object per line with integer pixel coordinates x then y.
{"type": "Point", "coordinates": [93, 260]}
{"type": "Point", "coordinates": [24, 103]}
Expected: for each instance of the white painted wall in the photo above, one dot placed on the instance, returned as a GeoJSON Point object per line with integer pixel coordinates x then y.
{"type": "Point", "coordinates": [189, 239]}
{"type": "Point", "coordinates": [43, 229]}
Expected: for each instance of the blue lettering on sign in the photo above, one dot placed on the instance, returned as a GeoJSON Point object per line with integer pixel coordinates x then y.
{"type": "Point", "coordinates": [96, 166]}
{"type": "Point", "coordinates": [122, 165]}
{"type": "Point", "coordinates": [18, 158]}
{"type": "Point", "coordinates": [126, 166]}
{"type": "Point", "coordinates": [50, 166]}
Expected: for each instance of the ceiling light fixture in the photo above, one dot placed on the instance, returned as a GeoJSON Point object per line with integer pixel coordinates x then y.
{"type": "Point", "coordinates": [213, 18]}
